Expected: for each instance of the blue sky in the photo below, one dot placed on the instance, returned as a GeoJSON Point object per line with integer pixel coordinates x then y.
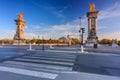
{"type": "Point", "coordinates": [56, 18]}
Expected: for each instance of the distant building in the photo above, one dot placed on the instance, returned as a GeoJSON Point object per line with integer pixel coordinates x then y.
{"type": "Point", "coordinates": [63, 39]}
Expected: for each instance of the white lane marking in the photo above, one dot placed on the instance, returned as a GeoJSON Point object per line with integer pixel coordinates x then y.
{"type": "Point", "coordinates": [28, 72]}
{"type": "Point", "coordinates": [91, 53]}
{"type": "Point", "coordinates": [60, 51]}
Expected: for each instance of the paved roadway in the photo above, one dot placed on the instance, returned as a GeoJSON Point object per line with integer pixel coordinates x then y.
{"type": "Point", "coordinates": [21, 64]}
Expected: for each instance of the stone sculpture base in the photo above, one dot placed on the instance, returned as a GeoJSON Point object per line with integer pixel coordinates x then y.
{"type": "Point", "coordinates": [19, 42]}
{"type": "Point", "coordinates": [91, 43]}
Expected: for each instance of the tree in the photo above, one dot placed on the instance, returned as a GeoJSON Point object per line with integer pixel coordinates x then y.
{"type": "Point", "coordinates": [0, 41]}
{"type": "Point", "coordinates": [105, 41]}
{"type": "Point", "coordinates": [27, 41]}
{"type": "Point", "coordinates": [118, 42]}
{"type": "Point", "coordinates": [6, 41]}
{"type": "Point", "coordinates": [75, 41]}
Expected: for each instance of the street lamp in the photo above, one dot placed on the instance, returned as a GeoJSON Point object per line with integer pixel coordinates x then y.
{"type": "Point", "coordinates": [81, 31]}
{"type": "Point", "coordinates": [38, 40]}
{"type": "Point", "coordinates": [32, 41]}
{"type": "Point", "coordinates": [43, 43]}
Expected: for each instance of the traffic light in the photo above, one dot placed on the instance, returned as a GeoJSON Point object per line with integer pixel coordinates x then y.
{"type": "Point", "coordinates": [83, 30]}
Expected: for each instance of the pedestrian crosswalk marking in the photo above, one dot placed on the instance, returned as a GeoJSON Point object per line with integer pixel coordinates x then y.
{"type": "Point", "coordinates": [28, 72]}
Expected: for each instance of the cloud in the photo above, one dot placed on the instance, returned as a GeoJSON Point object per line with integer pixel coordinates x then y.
{"type": "Point", "coordinates": [63, 9]}
{"type": "Point", "coordinates": [7, 34]}
{"type": "Point", "coordinates": [30, 35]}
{"type": "Point", "coordinates": [58, 14]}
{"type": "Point", "coordinates": [112, 11]}
{"type": "Point", "coordinates": [57, 11]}
{"type": "Point", "coordinates": [100, 28]}
{"type": "Point", "coordinates": [54, 31]}
{"type": "Point", "coordinates": [109, 35]}
{"type": "Point", "coordinates": [108, 20]}
{"type": "Point", "coordinates": [103, 29]}
{"type": "Point", "coordinates": [72, 27]}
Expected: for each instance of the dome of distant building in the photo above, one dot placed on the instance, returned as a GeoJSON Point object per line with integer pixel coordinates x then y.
{"type": "Point", "coordinates": [63, 38]}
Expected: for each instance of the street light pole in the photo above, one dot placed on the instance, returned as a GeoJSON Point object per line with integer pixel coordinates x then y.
{"type": "Point", "coordinates": [38, 41]}
{"type": "Point", "coordinates": [43, 43]}
{"type": "Point", "coordinates": [82, 31]}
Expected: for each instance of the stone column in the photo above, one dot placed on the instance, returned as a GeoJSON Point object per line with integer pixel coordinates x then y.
{"type": "Point", "coordinates": [89, 26]}
{"type": "Point", "coordinates": [92, 25]}
{"type": "Point", "coordinates": [19, 38]}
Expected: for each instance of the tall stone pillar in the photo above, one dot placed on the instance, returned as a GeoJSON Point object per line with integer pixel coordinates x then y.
{"type": "Point", "coordinates": [92, 25]}
{"type": "Point", "coordinates": [19, 38]}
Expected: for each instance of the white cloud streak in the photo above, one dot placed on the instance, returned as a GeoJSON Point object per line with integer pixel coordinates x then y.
{"type": "Point", "coordinates": [109, 35]}
{"type": "Point", "coordinates": [72, 27]}
{"type": "Point", "coordinates": [56, 31]}
{"type": "Point", "coordinates": [7, 34]}
{"type": "Point", "coordinates": [112, 11]}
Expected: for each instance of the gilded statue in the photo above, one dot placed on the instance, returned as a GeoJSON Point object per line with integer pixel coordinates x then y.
{"type": "Point", "coordinates": [20, 16]}
{"type": "Point", "coordinates": [92, 7]}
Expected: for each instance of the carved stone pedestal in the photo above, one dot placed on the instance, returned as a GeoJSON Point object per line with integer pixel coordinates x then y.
{"type": "Point", "coordinates": [19, 42]}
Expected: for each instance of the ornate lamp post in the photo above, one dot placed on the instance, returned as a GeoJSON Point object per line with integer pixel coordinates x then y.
{"type": "Point", "coordinates": [38, 40]}
{"type": "Point", "coordinates": [43, 43]}
{"type": "Point", "coordinates": [81, 31]}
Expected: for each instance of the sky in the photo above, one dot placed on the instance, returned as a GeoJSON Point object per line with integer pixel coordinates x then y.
{"type": "Point", "coordinates": [57, 18]}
